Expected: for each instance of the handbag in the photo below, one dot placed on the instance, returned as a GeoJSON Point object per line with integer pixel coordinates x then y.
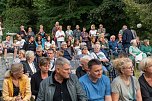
{"type": "Point", "coordinates": [108, 65]}
{"type": "Point", "coordinates": [133, 88]}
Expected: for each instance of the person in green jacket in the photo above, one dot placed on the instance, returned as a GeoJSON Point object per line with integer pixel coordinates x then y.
{"type": "Point", "coordinates": [146, 48]}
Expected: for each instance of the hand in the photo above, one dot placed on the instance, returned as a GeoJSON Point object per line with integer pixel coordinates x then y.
{"type": "Point", "coordinates": [18, 98]}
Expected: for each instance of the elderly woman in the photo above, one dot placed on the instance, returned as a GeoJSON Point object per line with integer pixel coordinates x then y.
{"type": "Point", "coordinates": [145, 79]}
{"type": "Point", "coordinates": [125, 87]}
{"type": "Point", "coordinates": [30, 66]}
{"type": "Point", "coordinates": [146, 48]}
{"type": "Point", "coordinates": [135, 53]}
{"type": "Point", "coordinates": [16, 85]}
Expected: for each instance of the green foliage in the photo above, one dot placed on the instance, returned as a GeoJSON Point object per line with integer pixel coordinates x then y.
{"type": "Point", "coordinates": [139, 13]}
{"type": "Point", "coordinates": [13, 18]}
{"type": "Point", "coordinates": [111, 13]}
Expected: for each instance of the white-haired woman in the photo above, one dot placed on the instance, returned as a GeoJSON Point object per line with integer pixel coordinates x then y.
{"type": "Point", "coordinates": [145, 79]}
{"type": "Point", "coordinates": [30, 66]}
{"type": "Point", "coordinates": [125, 87]}
{"type": "Point", "coordinates": [135, 53]}
{"type": "Point", "coordinates": [16, 85]}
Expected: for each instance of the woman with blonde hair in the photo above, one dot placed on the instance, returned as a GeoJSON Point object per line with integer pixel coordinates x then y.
{"type": "Point", "coordinates": [16, 85]}
{"type": "Point", "coordinates": [145, 79]}
{"type": "Point", "coordinates": [125, 87]}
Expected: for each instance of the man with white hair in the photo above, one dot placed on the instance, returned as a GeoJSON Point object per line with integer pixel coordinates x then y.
{"type": "Point", "coordinates": [83, 69]}
{"type": "Point", "coordinates": [61, 85]}
{"type": "Point", "coordinates": [98, 54]}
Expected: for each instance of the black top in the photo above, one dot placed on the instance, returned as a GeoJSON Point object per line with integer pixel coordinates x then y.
{"type": "Point", "coordinates": [29, 46]}
{"type": "Point", "coordinates": [61, 91]}
{"type": "Point", "coordinates": [127, 36]}
{"type": "Point", "coordinates": [16, 90]}
{"type": "Point", "coordinates": [80, 72]}
{"type": "Point", "coordinates": [146, 89]}
{"type": "Point", "coordinates": [35, 82]}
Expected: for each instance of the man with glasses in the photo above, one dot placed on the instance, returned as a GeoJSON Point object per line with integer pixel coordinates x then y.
{"type": "Point", "coordinates": [96, 85]}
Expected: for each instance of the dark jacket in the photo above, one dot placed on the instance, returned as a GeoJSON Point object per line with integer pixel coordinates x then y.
{"type": "Point", "coordinates": [35, 82]}
{"type": "Point", "coordinates": [80, 72]}
{"type": "Point", "coordinates": [47, 89]}
{"type": "Point", "coordinates": [127, 36]}
{"type": "Point", "coordinates": [29, 46]}
{"type": "Point", "coordinates": [27, 68]}
{"type": "Point", "coordinates": [146, 89]}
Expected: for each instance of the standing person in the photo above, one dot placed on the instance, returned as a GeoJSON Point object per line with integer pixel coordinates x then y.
{"type": "Point", "coordinates": [93, 31]}
{"type": "Point", "coordinates": [61, 85]}
{"type": "Point", "coordinates": [69, 31]}
{"type": "Point", "coordinates": [85, 37]}
{"type": "Point", "coordinates": [126, 38]}
{"type": "Point", "coordinates": [77, 32]}
{"type": "Point", "coordinates": [40, 75]}
{"type": "Point", "coordinates": [22, 32]}
{"type": "Point", "coordinates": [60, 35]}
{"type": "Point", "coordinates": [125, 87]}
{"type": "Point", "coordinates": [145, 80]}
{"type": "Point", "coordinates": [16, 85]}
{"type": "Point", "coordinates": [96, 85]}
{"type": "Point", "coordinates": [101, 29]}
{"type": "Point", "coordinates": [54, 30]}
{"type": "Point", "coordinates": [30, 32]}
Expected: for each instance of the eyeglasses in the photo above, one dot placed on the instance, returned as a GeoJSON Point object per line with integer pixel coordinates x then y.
{"type": "Point", "coordinates": [131, 67]}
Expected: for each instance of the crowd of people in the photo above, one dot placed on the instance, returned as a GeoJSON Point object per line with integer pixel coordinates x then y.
{"type": "Point", "coordinates": [41, 67]}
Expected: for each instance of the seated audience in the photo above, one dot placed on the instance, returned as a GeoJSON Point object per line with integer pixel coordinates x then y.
{"type": "Point", "coordinates": [30, 66]}
{"type": "Point", "coordinates": [145, 80]}
{"type": "Point", "coordinates": [125, 87]}
{"type": "Point", "coordinates": [96, 85]}
{"type": "Point", "coordinates": [40, 75]}
{"type": "Point", "coordinates": [61, 85]}
{"type": "Point", "coordinates": [146, 48]}
{"type": "Point", "coordinates": [135, 53]}
{"type": "Point", "coordinates": [83, 68]}
{"type": "Point", "coordinates": [16, 85]}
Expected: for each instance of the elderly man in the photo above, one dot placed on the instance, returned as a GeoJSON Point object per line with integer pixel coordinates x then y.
{"type": "Point", "coordinates": [83, 69]}
{"type": "Point", "coordinates": [61, 85]}
{"type": "Point", "coordinates": [98, 54]}
{"type": "Point", "coordinates": [96, 85]}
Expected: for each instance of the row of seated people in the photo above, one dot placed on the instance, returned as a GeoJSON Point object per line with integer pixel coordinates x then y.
{"type": "Point", "coordinates": [92, 85]}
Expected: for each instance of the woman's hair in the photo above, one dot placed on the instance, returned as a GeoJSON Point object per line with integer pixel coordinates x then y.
{"type": "Point", "coordinates": [44, 61]}
{"type": "Point", "coordinates": [23, 52]}
{"type": "Point", "coordinates": [145, 63]}
{"type": "Point", "coordinates": [14, 69]}
{"type": "Point", "coordinates": [145, 41]}
{"type": "Point", "coordinates": [133, 42]}
{"type": "Point", "coordinates": [120, 63]}
{"type": "Point", "coordinates": [29, 54]}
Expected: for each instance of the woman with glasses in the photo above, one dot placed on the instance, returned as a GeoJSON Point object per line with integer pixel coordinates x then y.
{"type": "Point", "coordinates": [16, 85]}
{"type": "Point", "coordinates": [125, 87]}
{"type": "Point", "coordinates": [145, 79]}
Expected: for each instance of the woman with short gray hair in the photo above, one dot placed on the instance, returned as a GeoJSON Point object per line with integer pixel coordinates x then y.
{"type": "Point", "coordinates": [30, 66]}
{"type": "Point", "coordinates": [145, 79]}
